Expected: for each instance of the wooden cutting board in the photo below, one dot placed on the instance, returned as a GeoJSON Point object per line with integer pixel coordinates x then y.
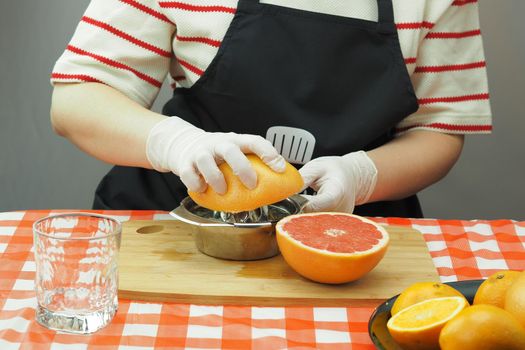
{"type": "Point", "coordinates": [159, 262]}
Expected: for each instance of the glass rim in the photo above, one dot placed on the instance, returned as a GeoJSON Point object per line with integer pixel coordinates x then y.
{"type": "Point", "coordinates": [116, 232]}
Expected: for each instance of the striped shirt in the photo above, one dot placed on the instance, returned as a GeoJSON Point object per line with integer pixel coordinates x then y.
{"type": "Point", "coordinates": [133, 45]}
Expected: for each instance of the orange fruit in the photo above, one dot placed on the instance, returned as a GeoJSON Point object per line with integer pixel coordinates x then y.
{"type": "Point", "coordinates": [492, 290]}
{"type": "Point", "coordinates": [418, 326]}
{"type": "Point", "coordinates": [483, 327]}
{"type": "Point", "coordinates": [271, 187]}
{"type": "Point", "coordinates": [515, 299]}
{"type": "Point", "coordinates": [331, 247]}
{"type": "Point", "coordinates": [422, 291]}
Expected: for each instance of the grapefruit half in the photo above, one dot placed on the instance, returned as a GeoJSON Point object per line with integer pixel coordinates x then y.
{"type": "Point", "coordinates": [331, 247]}
{"type": "Point", "coordinates": [271, 187]}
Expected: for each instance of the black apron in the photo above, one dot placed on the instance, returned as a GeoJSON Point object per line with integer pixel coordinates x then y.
{"type": "Point", "coordinates": [344, 80]}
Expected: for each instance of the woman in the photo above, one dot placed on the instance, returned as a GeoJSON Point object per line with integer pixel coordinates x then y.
{"type": "Point", "coordinates": [331, 85]}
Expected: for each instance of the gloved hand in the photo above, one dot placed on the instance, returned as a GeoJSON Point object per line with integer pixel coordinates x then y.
{"type": "Point", "coordinates": [341, 182]}
{"type": "Point", "coordinates": [192, 153]}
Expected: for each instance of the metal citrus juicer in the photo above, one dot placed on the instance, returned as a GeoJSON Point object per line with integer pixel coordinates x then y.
{"type": "Point", "coordinates": [247, 235]}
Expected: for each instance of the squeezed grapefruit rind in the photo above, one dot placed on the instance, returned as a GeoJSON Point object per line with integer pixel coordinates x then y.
{"type": "Point", "coordinates": [271, 187]}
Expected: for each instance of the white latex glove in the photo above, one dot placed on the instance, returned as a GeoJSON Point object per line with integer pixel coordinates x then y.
{"type": "Point", "coordinates": [193, 154]}
{"type": "Point", "coordinates": [341, 182]}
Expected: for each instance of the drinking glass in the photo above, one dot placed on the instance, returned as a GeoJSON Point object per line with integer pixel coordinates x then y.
{"type": "Point", "coordinates": [76, 279]}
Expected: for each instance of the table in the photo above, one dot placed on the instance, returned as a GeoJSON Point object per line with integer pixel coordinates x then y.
{"type": "Point", "coordinates": [460, 250]}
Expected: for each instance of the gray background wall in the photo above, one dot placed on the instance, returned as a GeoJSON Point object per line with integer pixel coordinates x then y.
{"type": "Point", "coordinates": [40, 170]}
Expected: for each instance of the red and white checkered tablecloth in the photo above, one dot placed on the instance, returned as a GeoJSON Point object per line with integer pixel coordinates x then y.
{"type": "Point", "coordinates": [460, 250]}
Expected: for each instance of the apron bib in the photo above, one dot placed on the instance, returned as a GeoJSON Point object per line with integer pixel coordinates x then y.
{"type": "Point", "coordinates": [313, 84]}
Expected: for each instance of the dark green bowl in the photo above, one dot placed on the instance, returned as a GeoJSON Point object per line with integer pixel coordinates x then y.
{"type": "Point", "coordinates": [377, 324]}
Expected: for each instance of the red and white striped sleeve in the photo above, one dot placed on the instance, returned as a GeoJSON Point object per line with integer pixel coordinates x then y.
{"type": "Point", "coordinates": [450, 78]}
{"type": "Point", "coordinates": [125, 44]}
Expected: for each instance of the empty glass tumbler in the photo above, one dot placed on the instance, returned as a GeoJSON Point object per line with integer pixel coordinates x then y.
{"type": "Point", "coordinates": [76, 279]}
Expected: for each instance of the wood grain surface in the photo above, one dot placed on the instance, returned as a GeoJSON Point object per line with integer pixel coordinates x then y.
{"type": "Point", "coordinates": [159, 262]}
